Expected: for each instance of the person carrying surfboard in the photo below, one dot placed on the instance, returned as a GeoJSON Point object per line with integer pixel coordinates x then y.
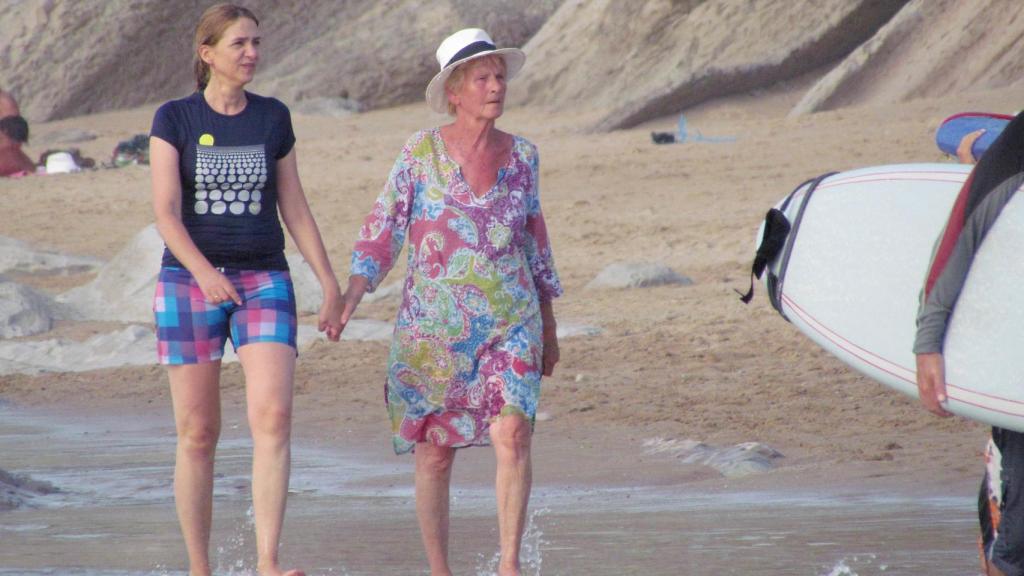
{"type": "Point", "coordinates": [995, 179]}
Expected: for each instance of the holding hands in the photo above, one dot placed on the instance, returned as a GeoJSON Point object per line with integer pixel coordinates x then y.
{"type": "Point", "coordinates": [353, 295]}
{"type": "Point", "coordinates": [330, 314]}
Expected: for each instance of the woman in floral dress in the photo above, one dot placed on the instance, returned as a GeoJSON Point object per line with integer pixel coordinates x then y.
{"type": "Point", "coordinates": [476, 328]}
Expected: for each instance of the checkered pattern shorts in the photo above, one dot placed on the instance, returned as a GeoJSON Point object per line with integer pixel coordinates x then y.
{"type": "Point", "coordinates": [191, 330]}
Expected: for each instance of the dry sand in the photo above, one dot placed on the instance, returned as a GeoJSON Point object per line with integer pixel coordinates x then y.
{"type": "Point", "coordinates": [675, 362]}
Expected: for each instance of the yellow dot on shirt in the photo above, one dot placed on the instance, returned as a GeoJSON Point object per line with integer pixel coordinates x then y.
{"type": "Point", "coordinates": [206, 140]}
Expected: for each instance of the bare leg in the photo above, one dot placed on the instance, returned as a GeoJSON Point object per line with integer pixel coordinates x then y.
{"type": "Point", "coordinates": [195, 395]}
{"type": "Point", "coordinates": [433, 479]}
{"type": "Point", "coordinates": [269, 370]}
{"type": "Point", "coordinates": [511, 438]}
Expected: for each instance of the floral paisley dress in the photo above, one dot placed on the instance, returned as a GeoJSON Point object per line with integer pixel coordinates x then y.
{"type": "Point", "coordinates": [467, 343]}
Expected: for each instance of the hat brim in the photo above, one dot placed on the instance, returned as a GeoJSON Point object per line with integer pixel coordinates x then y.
{"type": "Point", "coordinates": [438, 100]}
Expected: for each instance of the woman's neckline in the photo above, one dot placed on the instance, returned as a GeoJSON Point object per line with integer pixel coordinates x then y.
{"type": "Point", "coordinates": [502, 170]}
{"type": "Point", "coordinates": [248, 103]}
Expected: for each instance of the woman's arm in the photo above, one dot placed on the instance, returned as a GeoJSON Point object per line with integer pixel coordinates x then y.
{"type": "Point", "coordinates": [542, 268]}
{"type": "Point", "coordinates": [302, 226]}
{"type": "Point", "coordinates": [353, 295]}
{"type": "Point", "coordinates": [163, 161]}
{"type": "Point", "coordinates": [537, 245]}
{"type": "Point", "coordinates": [382, 234]}
{"type": "Point", "coordinates": [551, 354]}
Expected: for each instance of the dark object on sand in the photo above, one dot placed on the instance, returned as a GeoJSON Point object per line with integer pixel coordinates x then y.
{"type": "Point", "coordinates": [134, 151]}
{"type": "Point", "coordinates": [682, 135]}
{"type": "Point", "coordinates": [663, 137]}
{"type": "Point", "coordinates": [15, 128]}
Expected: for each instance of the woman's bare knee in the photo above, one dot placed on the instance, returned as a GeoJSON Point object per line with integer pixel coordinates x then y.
{"type": "Point", "coordinates": [511, 436]}
{"type": "Point", "coordinates": [435, 461]}
{"type": "Point", "coordinates": [198, 438]}
{"type": "Point", "coordinates": [271, 421]}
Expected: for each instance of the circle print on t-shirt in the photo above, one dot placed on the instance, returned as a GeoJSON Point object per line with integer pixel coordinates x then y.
{"type": "Point", "coordinates": [230, 179]}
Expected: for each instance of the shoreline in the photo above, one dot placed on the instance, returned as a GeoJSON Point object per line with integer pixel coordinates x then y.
{"type": "Point", "coordinates": [613, 458]}
{"type": "Point", "coordinates": [597, 525]}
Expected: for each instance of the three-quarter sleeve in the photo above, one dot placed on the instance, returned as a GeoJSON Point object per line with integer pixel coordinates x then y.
{"type": "Point", "coordinates": [383, 232]}
{"type": "Point", "coordinates": [537, 246]}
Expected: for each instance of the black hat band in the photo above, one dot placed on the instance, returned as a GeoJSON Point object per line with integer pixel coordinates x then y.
{"type": "Point", "coordinates": [471, 49]}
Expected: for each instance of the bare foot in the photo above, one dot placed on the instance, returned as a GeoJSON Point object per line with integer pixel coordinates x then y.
{"type": "Point", "coordinates": [275, 571]}
{"type": "Point", "coordinates": [508, 571]}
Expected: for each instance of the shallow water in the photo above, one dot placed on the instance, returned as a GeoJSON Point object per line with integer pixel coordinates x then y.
{"type": "Point", "coordinates": [114, 516]}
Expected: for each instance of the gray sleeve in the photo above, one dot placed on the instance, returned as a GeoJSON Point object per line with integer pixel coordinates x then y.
{"type": "Point", "coordinates": [933, 315]}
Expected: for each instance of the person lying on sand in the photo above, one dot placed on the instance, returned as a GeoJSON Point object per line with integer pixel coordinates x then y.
{"type": "Point", "coordinates": [13, 134]}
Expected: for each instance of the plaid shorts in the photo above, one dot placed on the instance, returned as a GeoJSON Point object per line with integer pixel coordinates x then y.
{"type": "Point", "coordinates": [190, 330]}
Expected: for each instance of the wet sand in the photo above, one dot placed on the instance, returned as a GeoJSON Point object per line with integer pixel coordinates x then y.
{"type": "Point", "coordinates": [351, 513]}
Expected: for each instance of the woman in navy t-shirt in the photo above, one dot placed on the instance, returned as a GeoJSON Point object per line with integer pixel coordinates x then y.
{"type": "Point", "coordinates": [223, 165]}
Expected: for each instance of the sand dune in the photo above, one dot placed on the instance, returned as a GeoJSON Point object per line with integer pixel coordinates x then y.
{"type": "Point", "coordinates": [63, 58]}
{"type": "Point", "coordinates": [930, 49]}
{"type": "Point", "coordinates": [616, 64]}
{"type": "Point", "coordinates": [633, 63]}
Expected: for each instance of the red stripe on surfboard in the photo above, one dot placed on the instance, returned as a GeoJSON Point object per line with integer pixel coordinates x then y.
{"type": "Point", "coordinates": [981, 114]}
{"type": "Point", "coordinates": [992, 396]}
{"type": "Point", "coordinates": [844, 344]}
{"type": "Point", "coordinates": [912, 175]}
{"type": "Point", "coordinates": [938, 169]}
{"type": "Point", "coordinates": [904, 172]}
{"type": "Point", "coordinates": [889, 178]}
{"type": "Point", "coordinates": [835, 337]}
{"type": "Point", "coordinates": [839, 341]}
{"type": "Point", "coordinates": [842, 177]}
{"type": "Point", "coordinates": [988, 408]}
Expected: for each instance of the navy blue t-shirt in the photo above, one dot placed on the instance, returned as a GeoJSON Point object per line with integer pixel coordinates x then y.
{"type": "Point", "coordinates": [228, 167]}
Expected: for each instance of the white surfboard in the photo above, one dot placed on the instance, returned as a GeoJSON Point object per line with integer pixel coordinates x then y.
{"type": "Point", "coordinates": [984, 346]}
{"type": "Point", "coordinates": [857, 260]}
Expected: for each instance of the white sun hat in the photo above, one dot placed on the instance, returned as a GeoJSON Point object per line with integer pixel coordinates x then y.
{"type": "Point", "coordinates": [61, 163]}
{"type": "Point", "coordinates": [461, 47]}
